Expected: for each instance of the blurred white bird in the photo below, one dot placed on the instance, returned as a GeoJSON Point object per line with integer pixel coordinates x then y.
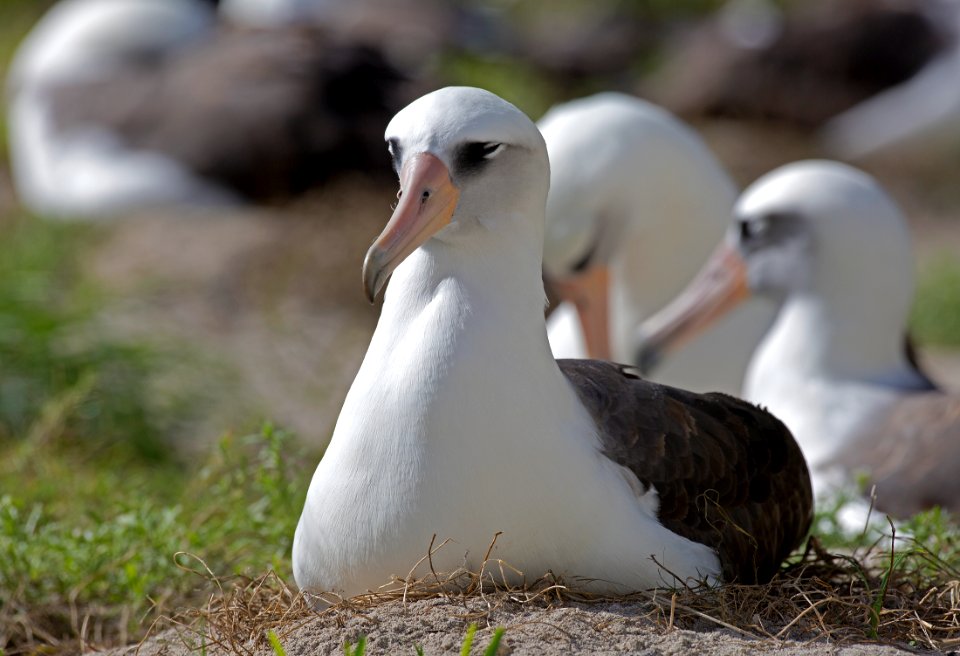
{"type": "Point", "coordinates": [637, 201]}
{"type": "Point", "coordinates": [62, 170]}
{"type": "Point", "coordinates": [117, 105]}
{"type": "Point", "coordinates": [921, 113]}
{"type": "Point", "coordinates": [826, 240]}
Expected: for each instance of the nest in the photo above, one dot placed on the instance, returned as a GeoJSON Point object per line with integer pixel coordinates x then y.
{"type": "Point", "coordinates": [895, 592]}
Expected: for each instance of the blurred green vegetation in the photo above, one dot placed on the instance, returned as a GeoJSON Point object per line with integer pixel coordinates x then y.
{"type": "Point", "coordinates": [936, 311]}
{"type": "Point", "coordinates": [525, 87]}
{"type": "Point", "coordinates": [16, 19]}
{"type": "Point", "coordinates": [95, 500]}
{"type": "Point", "coordinates": [57, 367]}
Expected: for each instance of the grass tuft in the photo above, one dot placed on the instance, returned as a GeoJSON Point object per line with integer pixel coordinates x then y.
{"type": "Point", "coordinates": [494, 645]}
{"type": "Point", "coordinates": [88, 578]}
{"type": "Point", "coordinates": [358, 650]}
{"type": "Point", "coordinates": [60, 372]}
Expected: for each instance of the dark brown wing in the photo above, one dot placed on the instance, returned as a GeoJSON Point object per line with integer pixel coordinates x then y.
{"type": "Point", "coordinates": [728, 474]}
{"type": "Point", "coordinates": [265, 113]}
{"type": "Point", "coordinates": [912, 454]}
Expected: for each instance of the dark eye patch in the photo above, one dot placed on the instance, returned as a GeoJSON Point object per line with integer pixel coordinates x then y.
{"type": "Point", "coordinates": [472, 157]}
{"type": "Point", "coordinates": [751, 230]}
{"type": "Point", "coordinates": [773, 227]}
{"type": "Point", "coordinates": [393, 147]}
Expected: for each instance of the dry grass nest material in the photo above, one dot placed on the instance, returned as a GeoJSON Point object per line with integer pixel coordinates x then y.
{"type": "Point", "coordinates": [894, 592]}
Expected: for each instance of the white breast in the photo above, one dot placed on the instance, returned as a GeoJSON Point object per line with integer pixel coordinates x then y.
{"type": "Point", "coordinates": [474, 444]}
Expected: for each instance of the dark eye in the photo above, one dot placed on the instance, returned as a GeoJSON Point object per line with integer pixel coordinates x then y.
{"type": "Point", "coordinates": [753, 229]}
{"type": "Point", "coordinates": [472, 157]}
{"type": "Point", "coordinates": [393, 147]}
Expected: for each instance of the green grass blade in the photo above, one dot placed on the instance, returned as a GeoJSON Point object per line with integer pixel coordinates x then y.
{"type": "Point", "coordinates": [275, 643]}
{"type": "Point", "coordinates": [358, 650]}
{"type": "Point", "coordinates": [494, 645]}
{"type": "Point", "coordinates": [468, 640]}
{"type": "Point", "coordinates": [896, 563]}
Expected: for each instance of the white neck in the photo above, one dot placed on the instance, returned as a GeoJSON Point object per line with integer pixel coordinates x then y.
{"type": "Point", "coordinates": [824, 369]}
{"type": "Point", "coordinates": [823, 336]}
{"type": "Point", "coordinates": [498, 300]}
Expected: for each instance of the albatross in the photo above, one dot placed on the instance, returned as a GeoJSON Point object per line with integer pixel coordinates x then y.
{"type": "Point", "coordinates": [460, 424]}
{"type": "Point", "coordinates": [84, 169]}
{"type": "Point", "coordinates": [826, 240]}
{"type": "Point", "coordinates": [119, 105]}
{"type": "Point", "coordinates": [636, 203]}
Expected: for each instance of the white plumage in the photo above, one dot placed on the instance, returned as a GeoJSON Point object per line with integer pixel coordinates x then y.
{"type": "Point", "coordinates": [459, 422]}
{"type": "Point", "coordinates": [827, 240]}
{"type": "Point", "coordinates": [637, 191]}
{"type": "Point", "coordinates": [86, 171]}
{"type": "Point", "coordinates": [835, 356]}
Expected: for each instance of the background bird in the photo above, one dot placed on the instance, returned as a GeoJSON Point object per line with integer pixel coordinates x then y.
{"type": "Point", "coordinates": [117, 105]}
{"type": "Point", "coordinates": [829, 243]}
{"type": "Point", "coordinates": [637, 201]}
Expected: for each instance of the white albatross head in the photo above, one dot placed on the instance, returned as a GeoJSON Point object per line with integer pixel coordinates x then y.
{"type": "Point", "coordinates": [467, 161]}
{"type": "Point", "coordinates": [826, 239]}
{"type": "Point", "coordinates": [826, 228]}
{"type": "Point", "coordinates": [616, 160]}
{"type": "Point", "coordinates": [637, 200]}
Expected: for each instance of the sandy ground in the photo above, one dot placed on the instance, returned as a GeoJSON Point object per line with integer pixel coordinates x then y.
{"type": "Point", "coordinates": [438, 627]}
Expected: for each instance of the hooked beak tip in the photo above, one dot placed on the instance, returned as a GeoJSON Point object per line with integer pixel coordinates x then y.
{"type": "Point", "coordinates": [719, 286]}
{"type": "Point", "coordinates": [373, 277]}
{"type": "Point", "coordinates": [647, 358]}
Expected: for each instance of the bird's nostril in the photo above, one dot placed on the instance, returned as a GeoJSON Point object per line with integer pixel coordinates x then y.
{"type": "Point", "coordinates": [424, 196]}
